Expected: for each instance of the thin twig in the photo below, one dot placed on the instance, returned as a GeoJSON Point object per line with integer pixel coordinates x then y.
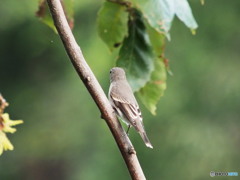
{"type": "Point", "coordinates": [94, 88]}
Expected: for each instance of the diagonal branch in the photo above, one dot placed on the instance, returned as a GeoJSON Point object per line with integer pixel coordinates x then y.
{"type": "Point", "coordinates": [94, 88]}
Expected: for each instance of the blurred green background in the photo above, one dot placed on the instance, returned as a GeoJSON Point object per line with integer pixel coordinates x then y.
{"type": "Point", "coordinates": [197, 126]}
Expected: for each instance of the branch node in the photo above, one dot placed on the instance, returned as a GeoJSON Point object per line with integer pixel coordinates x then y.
{"type": "Point", "coordinates": [88, 79]}
{"type": "Point", "coordinates": [131, 150]}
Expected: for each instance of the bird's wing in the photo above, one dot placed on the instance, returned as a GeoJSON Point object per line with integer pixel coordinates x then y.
{"type": "Point", "coordinates": [129, 109]}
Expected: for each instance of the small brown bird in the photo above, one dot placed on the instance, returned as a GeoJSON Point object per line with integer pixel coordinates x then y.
{"type": "Point", "coordinates": [124, 103]}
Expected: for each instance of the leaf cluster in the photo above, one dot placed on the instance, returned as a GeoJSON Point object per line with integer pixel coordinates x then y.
{"type": "Point", "coordinates": [138, 29]}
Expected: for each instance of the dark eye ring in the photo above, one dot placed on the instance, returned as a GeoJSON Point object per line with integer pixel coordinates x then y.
{"type": "Point", "coordinates": [110, 71]}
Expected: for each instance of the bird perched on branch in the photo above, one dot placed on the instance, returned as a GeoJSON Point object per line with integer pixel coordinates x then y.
{"type": "Point", "coordinates": [124, 103]}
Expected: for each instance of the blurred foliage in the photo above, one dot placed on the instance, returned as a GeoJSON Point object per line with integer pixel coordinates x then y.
{"type": "Point", "coordinates": [6, 127]}
{"type": "Point", "coordinates": [63, 137]}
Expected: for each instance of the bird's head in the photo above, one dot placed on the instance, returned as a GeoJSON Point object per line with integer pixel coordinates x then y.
{"type": "Point", "coordinates": [117, 74]}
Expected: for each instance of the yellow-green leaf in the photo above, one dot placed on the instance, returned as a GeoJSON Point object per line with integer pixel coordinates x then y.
{"type": "Point", "coordinates": [5, 144]}
{"type": "Point", "coordinates": [8, 123]}
{"type": "Point", "coordinates": [154, 89]}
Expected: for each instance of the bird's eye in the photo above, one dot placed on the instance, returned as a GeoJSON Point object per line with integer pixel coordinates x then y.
{"type": "Point", "coordinates": [110, 71]}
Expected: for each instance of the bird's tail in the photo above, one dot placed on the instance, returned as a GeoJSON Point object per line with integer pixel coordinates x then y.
{"type": "Point", "coordinates": [145, 139]}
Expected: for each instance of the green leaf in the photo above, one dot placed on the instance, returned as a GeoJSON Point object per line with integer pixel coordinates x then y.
{"type": "Point", "coordinates": [154, 89]}
{"type": "Point", "coordinates": [136, 55]}
{"type": "Point", "coordinates": [158, 43]}
{"type": "Point", "coordinates": [150, 94]}
{"type": "Point", "coordinates": [157, 40]}
{"type": "Point", "coordinates": [184, 13]}
{"type": "Point", "coordinates": [160, 13]}
{"type": "Point", "coordinates": [44, 14]}
{"type": "Point", "coordinates": [112, 24]}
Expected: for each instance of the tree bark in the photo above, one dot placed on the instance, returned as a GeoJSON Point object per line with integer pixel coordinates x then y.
{"type": "Point", "coordinates": [75, 54]}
